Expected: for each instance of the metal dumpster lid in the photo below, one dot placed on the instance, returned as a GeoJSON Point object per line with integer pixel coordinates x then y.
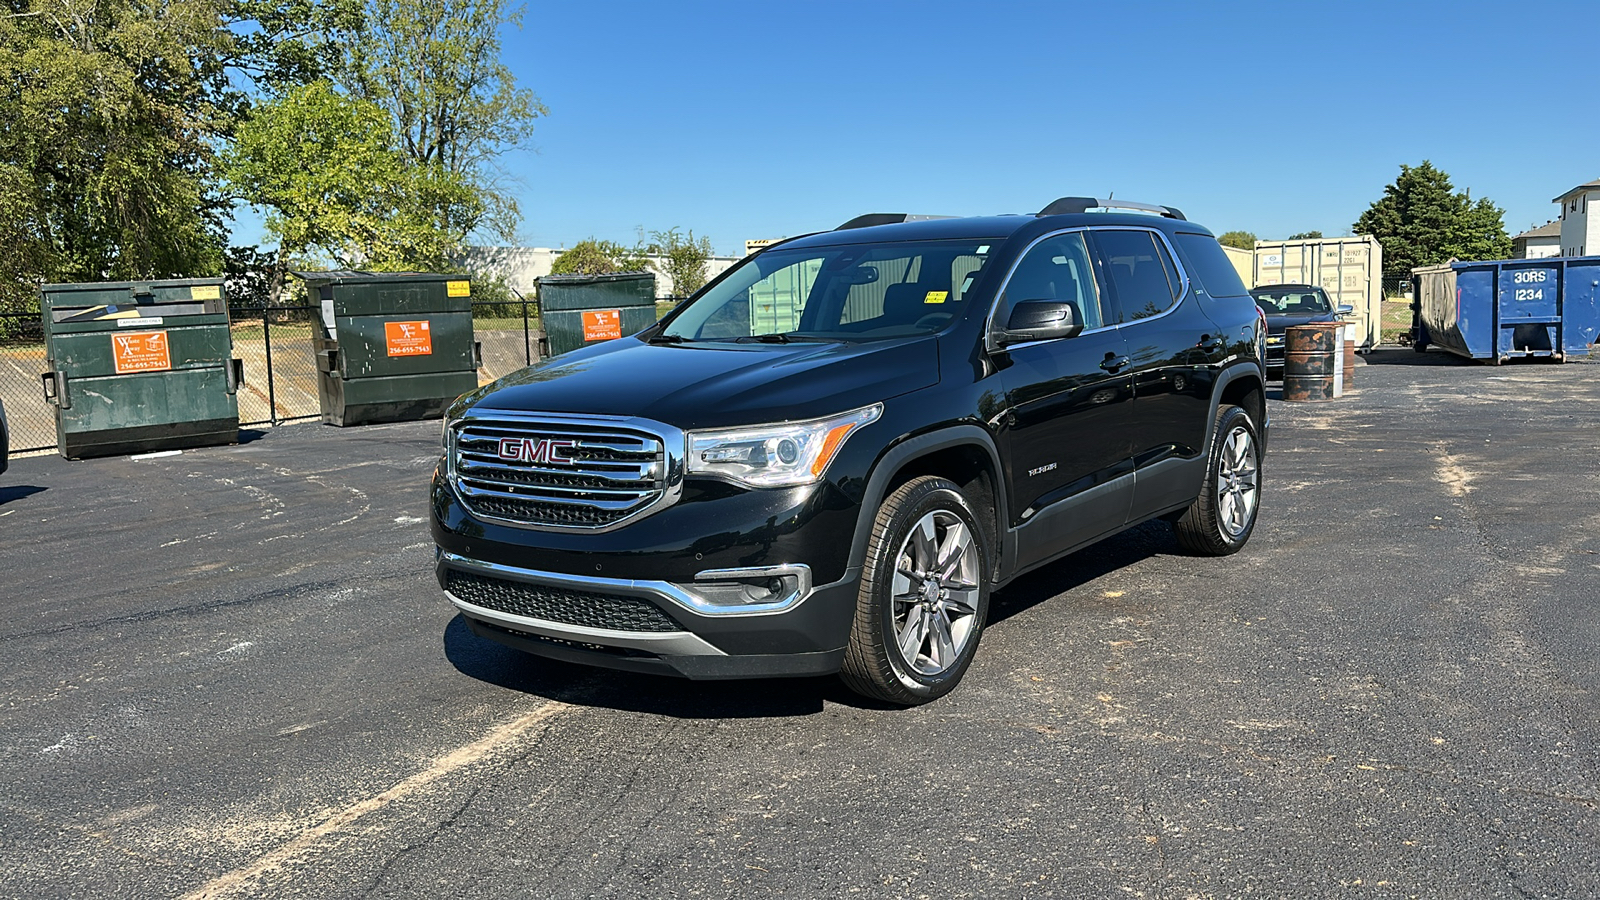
{"type": "Point", "coordinates": [342, 275]}
{"type": "Point", "coordinates": [64, 287]}
{"type": "Point", "coordinates": [592, 279]}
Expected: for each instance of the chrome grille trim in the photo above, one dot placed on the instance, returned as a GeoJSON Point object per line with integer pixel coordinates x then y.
{"type": "Point", "coordinates": [623, 470]}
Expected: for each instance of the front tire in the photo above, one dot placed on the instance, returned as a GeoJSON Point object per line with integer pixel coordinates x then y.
{"type": "Point", "coordinates": [924, 596]}
{"type": "Point", "coordinates": [1221, 519]}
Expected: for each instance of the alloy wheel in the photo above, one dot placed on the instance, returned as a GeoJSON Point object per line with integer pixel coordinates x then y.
{"type": "Point", "coordinates": [935, 592]}
{"type": "Point", "coordinates": [1237, 483]}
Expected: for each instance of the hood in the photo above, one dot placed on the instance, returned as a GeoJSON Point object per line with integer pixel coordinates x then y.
{"type": "Point", "coordinates": [1277, 322]}
{"type": "Point", "coordinates": [715, 385]}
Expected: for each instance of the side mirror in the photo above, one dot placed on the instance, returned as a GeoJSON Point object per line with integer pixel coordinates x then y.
{"type": "Point", "coordinates": [1041, 320]}
{"type": "Point", "coordinates": [1344, 309]}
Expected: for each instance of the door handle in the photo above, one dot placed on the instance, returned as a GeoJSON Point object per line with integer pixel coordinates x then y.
{"type": "Point", "coordinates": [1208, 343]}
{"type": "Point", "coordinates": [1113, 363]}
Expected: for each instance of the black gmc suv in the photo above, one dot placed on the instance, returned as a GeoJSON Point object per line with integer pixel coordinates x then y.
{"type": "Point", "coordinates": [829, 457]}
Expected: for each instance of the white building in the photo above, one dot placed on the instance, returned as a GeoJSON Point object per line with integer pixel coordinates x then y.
{"type": "Point", "coordinates": [1537, 243]}
{"type": "Point", "coordinates": [1579, 230]}
{"type": "Point", "coordinates": [522, 267]}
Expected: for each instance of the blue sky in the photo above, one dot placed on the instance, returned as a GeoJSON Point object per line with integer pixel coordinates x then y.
{"type": "Point", "coordinates": [754, 120]}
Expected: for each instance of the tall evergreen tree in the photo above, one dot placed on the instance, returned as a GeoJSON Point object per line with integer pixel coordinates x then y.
{"type": "Point", "coordinates": [1421, 220]}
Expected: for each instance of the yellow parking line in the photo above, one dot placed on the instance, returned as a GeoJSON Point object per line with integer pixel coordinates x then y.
{"type": "Point", "coordinates": [232, 882]}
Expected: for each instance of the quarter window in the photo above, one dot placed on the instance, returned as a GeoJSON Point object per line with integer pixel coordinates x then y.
{"type": "Point", "coordinates": [1203, 258]}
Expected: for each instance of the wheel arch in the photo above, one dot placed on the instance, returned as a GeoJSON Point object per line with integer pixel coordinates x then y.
{"type": "Point", "coordinates": [964, 454]}
{"type": "Point", "coordinates": [1244, 387]}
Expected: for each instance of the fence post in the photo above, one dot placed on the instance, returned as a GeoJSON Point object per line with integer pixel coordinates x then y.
{"type": "Point", "coordinates": [272, 394]}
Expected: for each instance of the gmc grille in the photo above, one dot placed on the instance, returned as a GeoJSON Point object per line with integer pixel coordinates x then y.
{"type": "Point", "coordinates": [601, 477]}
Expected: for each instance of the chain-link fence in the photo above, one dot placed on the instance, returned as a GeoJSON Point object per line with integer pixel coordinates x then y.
{"type": "Point", "coordinates": [31, 420]}
{"type": "Point", "coordinates": [1397, 309]}
{"type": "Point", "coordinates": [280, 370]}
{"type": "Point", "coordinates": [508, 331]}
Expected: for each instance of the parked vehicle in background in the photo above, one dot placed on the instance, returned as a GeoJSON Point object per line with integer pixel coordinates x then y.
{"type": "Point", "coordinates": [1292, 304]}
{"type": "Point", "coordinates": [828, 458]}
{"type": "Point", "coordinates": [1348, 269]}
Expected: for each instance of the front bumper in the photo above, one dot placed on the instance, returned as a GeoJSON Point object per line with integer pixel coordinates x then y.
{"type": "Point", "coordinates": [654, 626]}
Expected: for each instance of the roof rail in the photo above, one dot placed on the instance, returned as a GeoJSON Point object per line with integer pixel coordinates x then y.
{"type": "Point", "coordinates": [871, 219]}
{"type": "Point", "coordinates": [1067, 205]}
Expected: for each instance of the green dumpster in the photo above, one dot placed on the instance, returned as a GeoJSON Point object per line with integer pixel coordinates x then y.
{"type": "Point", "coordinates": [391, 347]}
{"type": "Point", "coordinates": [578, 310]}
{"type": "Point", "coordinates": [139, 366]}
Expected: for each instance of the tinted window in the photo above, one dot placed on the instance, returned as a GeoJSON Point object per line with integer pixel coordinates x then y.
{"type": "Point", "coordinates": [1136, 267]}
{"type": "Point", "coordinates": [1057, 268]}
{"type": "Point", "coordinates": [1209, 265]}
{"type": "Point", "coordinates": [854, 292]}
{"type": "Point", "coordinates": [1291, 300]}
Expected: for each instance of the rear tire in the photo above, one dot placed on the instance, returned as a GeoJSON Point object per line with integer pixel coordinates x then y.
{"type": "Point", "coordinates": [1221, 519]}
{"type": "Point", "coordinates": [924, 596]}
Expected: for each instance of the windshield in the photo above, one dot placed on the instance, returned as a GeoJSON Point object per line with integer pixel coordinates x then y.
{"type": "Point", "coordinates": [1293, 301]}
{"type": "Point", "coordinates": [855, 293]}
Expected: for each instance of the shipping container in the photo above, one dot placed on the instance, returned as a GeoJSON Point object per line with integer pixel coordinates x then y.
{"type": "Point", "coordinates": [1244, 262]}
{"type": "Point", "coordinates": [1350, 269]}
{"type": "Point", "coordinates": [1504, 309]}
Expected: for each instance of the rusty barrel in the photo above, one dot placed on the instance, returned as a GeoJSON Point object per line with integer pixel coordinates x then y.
{"type": "Point", "coordinates": [1349, 358]}
{"type": "Point", "coordinates": [1309, 358]}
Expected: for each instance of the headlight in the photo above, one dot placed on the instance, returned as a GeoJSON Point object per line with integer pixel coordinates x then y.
{"type": "Point", "coordinates": [779, 455]}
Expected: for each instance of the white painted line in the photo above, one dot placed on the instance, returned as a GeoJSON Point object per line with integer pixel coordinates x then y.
{"type": "Point", "coordinates": [157, 455]}
{"type": "Point", "coordinates": [240, 880]}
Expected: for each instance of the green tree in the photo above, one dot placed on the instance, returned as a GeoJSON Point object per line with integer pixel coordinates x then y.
{"type": "Point", "coordinates": [111, 114]}
{"type": "Point", "coordinates": [1305, 236]}
{"type": "Point", "coordinates": [597, 257]}
{"type": "Point", "coordinates": [1422, 220]}
{"type": "Point", "coordinates": [434, 68]}
{"type": "Point", "coordinates": [684, 259]}
{"type": "Point", "coordinates": [1244, 240]}
{"type": "Point", "coordinates": [324, 168]}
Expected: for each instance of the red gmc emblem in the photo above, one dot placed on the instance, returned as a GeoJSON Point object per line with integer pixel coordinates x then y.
{"type": "Point", "coordinates": [531, 451]}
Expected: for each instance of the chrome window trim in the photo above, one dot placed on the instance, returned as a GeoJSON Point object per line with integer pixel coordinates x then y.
{"type": "Point", "coordinates": [678, 595]}
{"type": "Point", "coordinates": [674, 447]}
{"type": "Point", "coordinates": [1005, 283]}
{"type": "Point", "coordinates": [994, 306]}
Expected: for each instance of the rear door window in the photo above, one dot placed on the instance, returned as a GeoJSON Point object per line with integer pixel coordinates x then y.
{"type": "Point", "coordinates": [1138, 268]}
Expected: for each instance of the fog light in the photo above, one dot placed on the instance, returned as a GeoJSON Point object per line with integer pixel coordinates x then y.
{"type": "Point", "coordinates": [753, 590]}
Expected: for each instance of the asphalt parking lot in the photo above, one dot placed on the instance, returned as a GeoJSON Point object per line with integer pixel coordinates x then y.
{"type": "Point", "coordinates": [230, 673]}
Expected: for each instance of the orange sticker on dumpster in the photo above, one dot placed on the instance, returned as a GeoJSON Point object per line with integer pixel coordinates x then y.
{"type": "Point", "coordinates": [602, 324]}
{"type": "Point", "coordinates": [408, 338]}
{"type": "Point", "coordinates": [140, 351]}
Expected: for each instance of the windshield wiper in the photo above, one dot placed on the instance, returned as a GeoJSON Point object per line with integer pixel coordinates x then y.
{"type": "Point", "coordinates": [781, 338]}
{"type": "Point", "coordinates": [664, 338]}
